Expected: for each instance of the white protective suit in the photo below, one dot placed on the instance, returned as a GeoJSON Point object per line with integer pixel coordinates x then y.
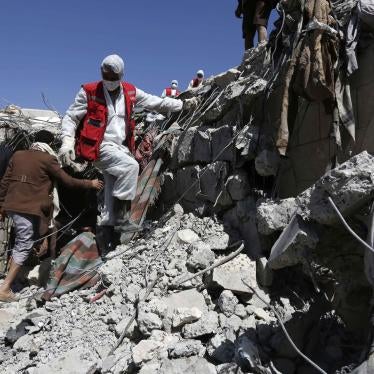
{"type": "Point", "coordinates": [116, 162]}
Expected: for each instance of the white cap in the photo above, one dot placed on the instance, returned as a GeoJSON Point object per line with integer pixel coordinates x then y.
{"type": "Point", "coordinates": [113, 63]}
{"type": "Point", "coordinates": [174, 81]}
{"type": "Point", "coordinates": [200, 72]}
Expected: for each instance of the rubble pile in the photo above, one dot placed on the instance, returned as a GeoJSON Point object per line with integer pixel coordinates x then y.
{"type": "Point", "coordinates": [211, 324]}
{"type": "Point", "coordinates": [169, 302]}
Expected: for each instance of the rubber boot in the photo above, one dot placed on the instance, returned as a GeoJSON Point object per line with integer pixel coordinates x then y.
{"type": "Point", "coordinates": [105, 239]}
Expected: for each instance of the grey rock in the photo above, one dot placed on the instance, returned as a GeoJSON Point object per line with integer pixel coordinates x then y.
{"type": "Point", "coordinates": [218, 242]}
{"type": "Point", "coordinates": [247, 141]}
{"type": "Point", "coordinates": [227, 77]}
{"type": "Point", "coordinates": [150, 368]}
{"type": "Point", "coordinates": [274, 216]}
{"type": "Point", "coordinates": [293, 245]}
{"type": "Point", "coordinates": [186, 348]}
{"type": "Point", "coordinates": [230, 324]}
{"type": "Point", "coordinates": [187, 236]}
{"type": "Point", "coordinates": [221, 349]}
{"type": "Point", "coordinates": [207, 325]}
{"type": "Point", "coordinates": [182, 316]}
{"type": "Point", "coordinates": [238, 185]}
{"type": "Point", "coordinates": [201, 259]}
{"type": "Point", "coordinates": [267, 163]}
{"type": "Point", "coordinates": [148, 322]}
{"type": "Point", "coordinates": [230, 275]}
{"type": "Point", "coordinates": [131, 292]}
{"type": "Point", "coordinates": [227, 302]}
{"type": "Point", "coordinates": [146, 350]}
{"type": "Point", "coordinates": [75, 361]}
{"type": "Point", "coordinates": [240, 311]}
{"type": "Point", "coordinates": [190, 365]}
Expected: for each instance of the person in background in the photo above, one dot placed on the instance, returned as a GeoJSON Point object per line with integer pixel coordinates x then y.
{"type": "Point", "coordinates": [99, 127]}
{"type": "Point", "coordinates": [29, 196]}
{"type": "Point", "coordinates": [255, 15]}
{"type": "Point", "coordinates": [197, 81]}
{"type": "Point", "coordinates": [171, 91]}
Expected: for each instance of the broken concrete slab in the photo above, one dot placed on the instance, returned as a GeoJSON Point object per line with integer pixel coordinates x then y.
{"type": "Point", "coordinates": [293, 245]}
{"type": "Point", "coordinates": [186, 299]}
{"type": "Point", "coordinates": [230, 275]}
{"type": "Point", "coordinates": [75, 361]}
{"type": "Point", "coordinates": [350, 185]}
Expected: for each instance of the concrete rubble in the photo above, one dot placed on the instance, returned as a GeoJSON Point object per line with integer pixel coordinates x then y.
{"type": "Point", "coordinates": [299, 263]}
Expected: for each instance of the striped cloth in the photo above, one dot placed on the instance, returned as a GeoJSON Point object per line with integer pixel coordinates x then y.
{"type": "Point", "coordinates": [75, 268]}
{"type": "Point", "coordinates": [147, 191]}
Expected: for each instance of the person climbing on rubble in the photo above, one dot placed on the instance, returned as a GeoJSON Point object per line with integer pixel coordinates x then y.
{"type": "Point", "coordinates": [28, 195]}
{"type": "Point", "coordinates": [197, 81]}
{"type": "Point", "coordinates": [255, 14]}
{"type": "Point", "coordinates": [98, 127]}
{"type": "Point", "coordinates": [171, 91]}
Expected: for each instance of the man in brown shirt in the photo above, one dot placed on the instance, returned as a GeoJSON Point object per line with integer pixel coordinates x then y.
{"type": "Point", "coordinates": [255, 18]}
{"type": "Point", "coordinates": [26, 195]}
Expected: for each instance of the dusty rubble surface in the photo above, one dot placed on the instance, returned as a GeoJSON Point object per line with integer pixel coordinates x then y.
{"type": "Point", "coordinates": [211, 324]}
{"type": "Point", "coordinates": [222, 168]}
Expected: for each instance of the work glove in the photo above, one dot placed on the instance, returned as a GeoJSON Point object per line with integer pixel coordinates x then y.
{"type": "Point", "coordinates": [191, 104]}
{"type": "Point", "coordinates": [67, 152]}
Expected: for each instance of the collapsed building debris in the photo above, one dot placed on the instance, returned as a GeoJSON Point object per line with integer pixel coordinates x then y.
{"type": "Point", "coordinates": [244, 240]}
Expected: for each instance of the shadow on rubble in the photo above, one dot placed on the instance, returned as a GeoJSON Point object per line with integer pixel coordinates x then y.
{"type": "Point", "coordinates": [311, 322]}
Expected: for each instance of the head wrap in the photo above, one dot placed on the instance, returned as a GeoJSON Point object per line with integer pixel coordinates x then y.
{"type": "Point", "coordinates": [113, 63]}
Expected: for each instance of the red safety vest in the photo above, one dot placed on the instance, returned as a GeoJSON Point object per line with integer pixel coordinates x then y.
{"type": "Point", "coordinates": [92, 128]}
{"type": "Point", "coordinates": [195, 83]}
{"type": "Point", "coordinates": [169, 92]}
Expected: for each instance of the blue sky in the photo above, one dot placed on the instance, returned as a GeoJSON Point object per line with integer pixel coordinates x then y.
{"type": "Point", "coordinates": [55, 46]}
